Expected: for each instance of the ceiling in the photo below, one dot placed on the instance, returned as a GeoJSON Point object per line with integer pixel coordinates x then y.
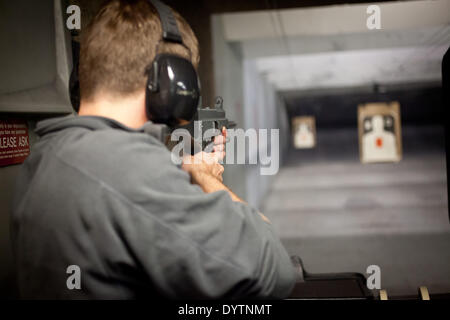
{"type": "Point", "coordinates": [353, 68]}
{"type": "Point", "coordinates": [331, 46]}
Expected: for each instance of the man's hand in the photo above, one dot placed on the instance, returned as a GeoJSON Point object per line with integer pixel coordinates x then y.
{"type": "Point", "coordinates": [207, 163]}
{"type": "Point", "coordinates": [206, 171]}
{"type": "Point", "coordinates": [219, 144]}
{"type": "Point", "coordinates": [203, 163]}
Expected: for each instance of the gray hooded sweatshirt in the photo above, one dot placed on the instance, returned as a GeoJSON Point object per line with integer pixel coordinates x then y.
{"type": "Point", "coordinates": [103, 203]}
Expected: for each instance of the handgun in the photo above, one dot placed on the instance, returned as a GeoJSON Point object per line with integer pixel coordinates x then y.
{"type": "Point", "coordinates": [205, 118]}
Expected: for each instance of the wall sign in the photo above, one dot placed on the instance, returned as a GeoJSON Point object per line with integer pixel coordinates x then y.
{"type": "Point", "coordinates": [14, 142]}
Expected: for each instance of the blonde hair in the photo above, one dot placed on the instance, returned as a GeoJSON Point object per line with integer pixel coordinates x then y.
{"type": "Point", "coordinates": [121, 41]}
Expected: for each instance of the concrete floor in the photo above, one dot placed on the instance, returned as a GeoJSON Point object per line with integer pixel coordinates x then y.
{"type": "Point", "coordinates": [340, 215]}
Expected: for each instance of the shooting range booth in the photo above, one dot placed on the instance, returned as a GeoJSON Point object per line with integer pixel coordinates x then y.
{"type": "Point", "coordinates": [35, 60]}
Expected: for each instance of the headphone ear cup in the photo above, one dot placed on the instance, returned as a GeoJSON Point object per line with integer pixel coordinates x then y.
{"type": "Point", "coordinates": [152, 79]}
{"type": "Point", "coordinates": [172, 90]}
{"type": "Point", "coordinates": [199, 84]}
{"type": "Point", "coordinates": [151, 87]}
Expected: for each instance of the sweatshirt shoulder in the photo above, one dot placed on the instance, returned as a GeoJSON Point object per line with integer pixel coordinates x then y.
{"type": "Point", "coordinates": [115, 156]}
{"type": "Point", "coordinates": [107, 145]}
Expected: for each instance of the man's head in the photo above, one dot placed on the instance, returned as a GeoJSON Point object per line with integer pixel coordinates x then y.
{"type": "Point", "coordinates": [116, 48]}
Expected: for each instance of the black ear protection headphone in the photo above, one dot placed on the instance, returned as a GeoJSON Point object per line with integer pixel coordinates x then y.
{"type": "Point", "coordinates": [172, 91]}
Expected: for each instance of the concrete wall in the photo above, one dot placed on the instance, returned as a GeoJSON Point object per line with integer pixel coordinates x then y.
{"type": "Point", "coordinates": [264, 109]}
{"type": "Point", "coordinates": [334, 19]}
{"type": "Point", "coordinates": [227, 61]}
{"type": "Point", "coordinates": [253, 103]}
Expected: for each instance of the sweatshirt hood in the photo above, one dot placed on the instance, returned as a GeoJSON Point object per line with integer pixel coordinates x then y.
{"type": "Point", "coordinates": [88, 122]}
{"type": "Point", "coordinates": [158, 131]}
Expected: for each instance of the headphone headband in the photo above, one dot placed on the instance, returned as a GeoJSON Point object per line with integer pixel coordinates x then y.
{"type": "Point", "coordinates": [172, 90]}
{"type": "Point", "coordinates": [168, 22]}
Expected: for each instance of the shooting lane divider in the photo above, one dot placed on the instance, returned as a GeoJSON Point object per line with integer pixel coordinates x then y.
{"type": "Point", "coordinates": [423, 293]}
{"type": "Point", "coordinates": [383, 295]}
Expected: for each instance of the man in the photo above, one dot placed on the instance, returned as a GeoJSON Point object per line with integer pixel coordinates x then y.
{"type": "Point", "coordinates": [100, 199]}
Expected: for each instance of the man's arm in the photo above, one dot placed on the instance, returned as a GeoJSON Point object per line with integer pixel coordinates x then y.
{"type": "Point", "coordinates": [206, 171]}
{"type": "Point", "coordinates": [193, 243]}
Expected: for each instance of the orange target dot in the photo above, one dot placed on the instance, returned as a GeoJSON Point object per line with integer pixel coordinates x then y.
{"type": "Point", "coordinates": [379, 142]}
